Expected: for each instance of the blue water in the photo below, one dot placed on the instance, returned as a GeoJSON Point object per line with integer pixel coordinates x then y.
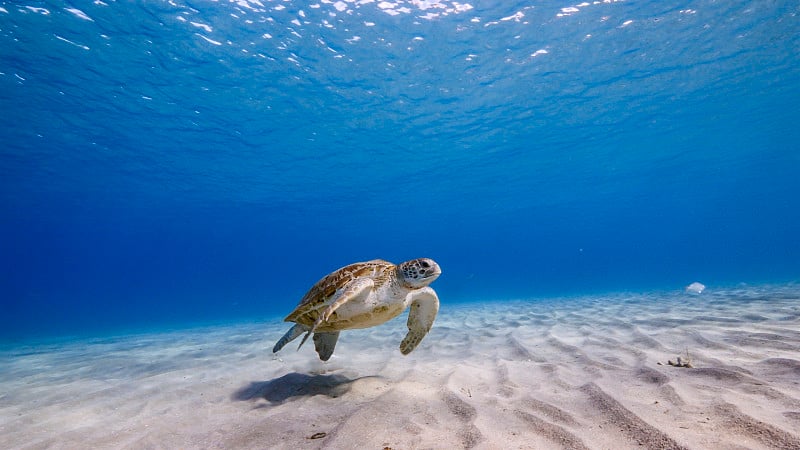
{"type": "Point", "coordinates": [171, 162]}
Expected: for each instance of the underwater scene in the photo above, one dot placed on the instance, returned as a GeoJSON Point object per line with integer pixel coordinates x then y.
{"type": "Point", "coordinates": [406, 224]}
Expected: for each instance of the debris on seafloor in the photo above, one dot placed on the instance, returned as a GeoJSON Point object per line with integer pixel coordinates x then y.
{"type": "Point", "coordinates": [695, 288]}
{"type": "Point", "coordinates": [680, 362]}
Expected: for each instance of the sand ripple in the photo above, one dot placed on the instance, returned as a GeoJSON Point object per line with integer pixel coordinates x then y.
{"type": "Point", "coordinates": [588, 373]}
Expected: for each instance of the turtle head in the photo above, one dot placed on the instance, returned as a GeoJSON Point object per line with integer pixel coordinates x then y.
{"type": "Point", "coordinates": [418, 273]}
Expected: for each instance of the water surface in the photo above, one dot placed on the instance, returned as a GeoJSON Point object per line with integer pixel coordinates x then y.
{"type": "Point", "coordinates": [169, 162]}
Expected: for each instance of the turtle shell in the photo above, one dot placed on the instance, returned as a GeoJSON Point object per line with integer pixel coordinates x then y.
{"type": "Point", "coordinates": [307, 311]}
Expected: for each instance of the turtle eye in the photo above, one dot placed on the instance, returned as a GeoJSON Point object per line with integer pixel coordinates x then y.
{"type": "Point", "coordinates": [425, 264]}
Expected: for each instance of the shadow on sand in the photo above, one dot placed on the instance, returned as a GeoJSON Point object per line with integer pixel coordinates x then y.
{"type": "Point", "coordinates": [281, 389]}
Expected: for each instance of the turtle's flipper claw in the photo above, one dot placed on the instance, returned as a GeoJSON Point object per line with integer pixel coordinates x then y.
{"type": "Point", "coordinates": [318, 322]}
{"type": "Point", "coordinates": [305, 338]}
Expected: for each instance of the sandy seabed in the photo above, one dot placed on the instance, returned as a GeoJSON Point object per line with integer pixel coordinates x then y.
{"type": "Point", "coordinates": [562, 373]}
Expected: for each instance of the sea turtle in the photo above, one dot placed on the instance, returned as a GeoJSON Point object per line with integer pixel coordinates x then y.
{"type": "Point", "coordinates": [363, 295]}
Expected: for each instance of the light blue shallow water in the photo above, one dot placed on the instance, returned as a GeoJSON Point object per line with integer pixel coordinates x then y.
{"type": "Point", "coordinates": [168, 162]}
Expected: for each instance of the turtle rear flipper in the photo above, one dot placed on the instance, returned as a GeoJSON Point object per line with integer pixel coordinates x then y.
{"type": "Point", "coordinates": [325, 343]}
{"type": "Point", "coordinates": [290, 335]}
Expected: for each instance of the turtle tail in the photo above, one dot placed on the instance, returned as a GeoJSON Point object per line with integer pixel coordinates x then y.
{"type": "Point", "coordinates": [290, 335]}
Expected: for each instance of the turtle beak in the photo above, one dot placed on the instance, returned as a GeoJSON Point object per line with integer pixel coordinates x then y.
{"type": "Point", "coordinates": [433, 272]}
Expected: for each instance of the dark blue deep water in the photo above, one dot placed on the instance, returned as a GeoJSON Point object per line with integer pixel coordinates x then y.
{"type": "Point", "coordinates": [164, 163]}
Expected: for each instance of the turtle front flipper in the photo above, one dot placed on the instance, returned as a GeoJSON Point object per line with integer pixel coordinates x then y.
{"type": "Point", "coordinates": [424, 307]}
{"type": "Point", "coordinates": [353, 290]}
{"type": "Point", "coordinates": [325, 343]}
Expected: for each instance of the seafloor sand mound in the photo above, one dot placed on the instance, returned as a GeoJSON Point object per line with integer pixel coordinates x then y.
{"type": "Point", "coordinates": [580, 373]}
